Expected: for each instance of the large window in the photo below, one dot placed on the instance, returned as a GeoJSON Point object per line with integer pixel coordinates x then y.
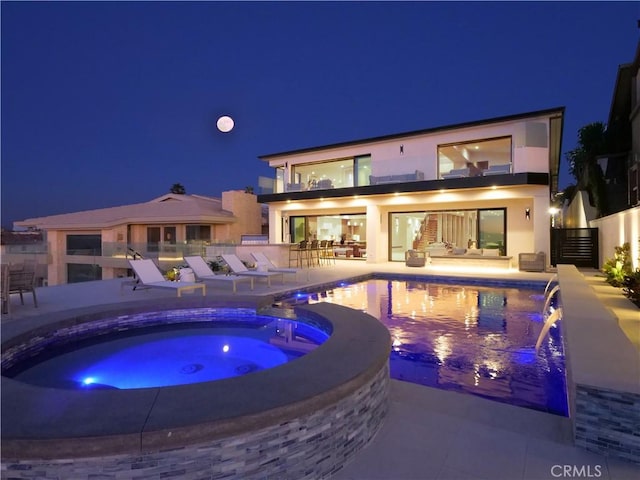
{"type": "Point", "coordinates": [492, 227]}
{"type": "Point", "coordinates": [448, 230]}
{"type": "Point", "coordinates": [418, 230]}
{"type": "Point", "coordinates": [339, 229]}
{"type": "Point", "coordinates": [84, 245]}
{"type": "Point", "coordinates": [476, 158]}
{"type": "Point", "coordinates": [344, 173]}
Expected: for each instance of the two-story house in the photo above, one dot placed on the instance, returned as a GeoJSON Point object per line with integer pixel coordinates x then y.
{"type": "Point", "coordinates": [95, 244]}
{"type": "Point", "coordinates": [484, 184]}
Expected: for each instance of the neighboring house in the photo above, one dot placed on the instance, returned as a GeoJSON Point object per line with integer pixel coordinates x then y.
{"type": "Point", "coordinates": [486, 183]}
{"type": "Point", "coordinates": [95, 244]}
{"type": "Point", "coordinates": [622, 167]}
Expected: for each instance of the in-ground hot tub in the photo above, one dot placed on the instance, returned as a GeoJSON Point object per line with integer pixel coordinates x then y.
{"type": "Point", "coordinates": [303, 419]}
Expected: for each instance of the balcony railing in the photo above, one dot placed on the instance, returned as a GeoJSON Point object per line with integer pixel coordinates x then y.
{"type": "Point", "coordinates": [161, 251]}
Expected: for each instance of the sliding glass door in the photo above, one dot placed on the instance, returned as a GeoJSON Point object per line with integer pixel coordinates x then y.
{"type": "Point", "coordinates": [453, 230]}
{"type": "Point", "coordinates": [492, 229]}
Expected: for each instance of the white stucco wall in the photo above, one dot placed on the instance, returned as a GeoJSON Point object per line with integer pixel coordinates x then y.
{"type": "Point", "coordinates": [523, 235]}
{"type": "Point", "coordinates": [617, 229]}
{"type": "Point", "coordinates": [420, 152]}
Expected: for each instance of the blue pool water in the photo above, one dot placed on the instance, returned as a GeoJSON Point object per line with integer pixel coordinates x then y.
{"type": "Point", "coordinates": [467, 338]}
{"type": "Point", "coordinates": [172, 355]}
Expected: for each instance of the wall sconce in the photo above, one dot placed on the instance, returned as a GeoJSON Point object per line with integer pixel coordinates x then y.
{"type": "Point", "coordinates": [527, 213]}
{"type": "Point", "coordinates": [401, 149]}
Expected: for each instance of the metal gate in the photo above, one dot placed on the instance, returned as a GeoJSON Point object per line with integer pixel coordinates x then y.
{"type": "Point", "coordinates": [575, 246]}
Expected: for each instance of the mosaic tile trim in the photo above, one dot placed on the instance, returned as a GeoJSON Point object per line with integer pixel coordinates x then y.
{"type": "Point", "coordinates": [313, 446]}
{"type": "Point", "coordinates": [608, 422]}
{"type": "Point", "coordinates": [93, 328]}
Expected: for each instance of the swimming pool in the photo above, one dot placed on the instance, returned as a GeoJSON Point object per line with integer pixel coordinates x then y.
{"type": "Point", "coordinates": [218, 346]}
{"type": "Point", "coordinates": [469, 338]}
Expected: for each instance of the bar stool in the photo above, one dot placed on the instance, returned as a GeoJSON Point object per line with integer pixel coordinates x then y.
{"type": "Point", "coordinates": [314, 253]}
{"type": "Point", "coordinates": [328, 252]}
{"type": "Point", "coordinates": [294, 255]}
{"type": "Point", "coordinates": [322, 251]}
{"type": "Point", "coordinates": [303, 252]}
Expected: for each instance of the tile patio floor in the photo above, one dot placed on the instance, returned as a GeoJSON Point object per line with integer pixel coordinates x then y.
{"type": "Point", "coordinates": [429, 434]}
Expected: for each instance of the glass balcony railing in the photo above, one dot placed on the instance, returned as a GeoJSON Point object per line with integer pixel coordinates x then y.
{"type": "Point", "coordinates": [161, 251]}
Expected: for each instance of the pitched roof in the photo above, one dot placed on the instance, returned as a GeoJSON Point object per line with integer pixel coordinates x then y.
{"type": "Point", "coordinates": [169, 208]}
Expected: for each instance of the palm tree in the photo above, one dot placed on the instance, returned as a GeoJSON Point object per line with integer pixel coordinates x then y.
{"type": "Point", "coordinates": [177, 188]}
{"type": "Point", "coordinates": [592, 141]}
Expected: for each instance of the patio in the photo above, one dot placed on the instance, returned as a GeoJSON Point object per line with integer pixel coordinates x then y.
{"type": "Point", "coordinates": [428, 433]}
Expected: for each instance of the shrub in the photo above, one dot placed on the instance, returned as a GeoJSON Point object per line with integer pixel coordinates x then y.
{"type": "Point", "coordinates": [218, 265]}
{"type": "Point", "coordinates": [618, 267]}
{"type": "Point", "coordinates": [631, 287]}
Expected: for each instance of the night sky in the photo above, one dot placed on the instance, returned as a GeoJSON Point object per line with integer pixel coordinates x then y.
{"type": "Point", "coordinates": [106, 104]}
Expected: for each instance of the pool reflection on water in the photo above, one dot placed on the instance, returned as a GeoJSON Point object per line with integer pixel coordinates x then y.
{"type": "Point", "coordinates": [468, 338]}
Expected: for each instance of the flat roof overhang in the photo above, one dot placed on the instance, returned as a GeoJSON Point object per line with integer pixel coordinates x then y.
{"type": "Point", "coordinates": [507, 180]}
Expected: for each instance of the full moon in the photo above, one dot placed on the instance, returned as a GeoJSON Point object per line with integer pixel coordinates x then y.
{"type": "Point", "coordinates": [225, 124]}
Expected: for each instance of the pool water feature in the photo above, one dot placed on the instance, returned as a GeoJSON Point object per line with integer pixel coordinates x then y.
{"type": "Point", "coordinates": [463, 337]}
{"type": "Point", "coordinates": [176, 354]}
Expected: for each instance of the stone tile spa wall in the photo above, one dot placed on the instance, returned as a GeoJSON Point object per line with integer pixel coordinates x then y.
{"type": "Point", "coordinates": [310, 447]}
{"type": "Point", "coordinates": [302, 420]}
{"type": "Point", "coordinates": [608, 422]}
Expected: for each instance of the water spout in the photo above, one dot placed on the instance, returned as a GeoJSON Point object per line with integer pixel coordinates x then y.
{"type": "Point", "coordinates": [551, 280]}
{"type": "Point", "coordinates": [555, 315]}
{"type": "Point", "coordinates": [547, 302]}
{"type": "Point", "coordinates": [553, 318]}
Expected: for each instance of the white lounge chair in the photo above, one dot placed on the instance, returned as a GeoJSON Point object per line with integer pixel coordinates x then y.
{"type": "Point", "coordinates": [262, 259]}
{"type": "Point", "coordinates": [237, 267]}
{"type": "Point", "coordinates": [149, 276]}
{"type": "Point", "coordinates": [203, 272]}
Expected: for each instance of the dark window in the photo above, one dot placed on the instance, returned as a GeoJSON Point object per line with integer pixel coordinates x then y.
{"type": "Point", "coordinates": [170, 235]}
{"type": "Point", "coordinates": [77, 272]}
{"type": "Point", "coordinates": [201, 233]}
{"type": "Point", "coordinates": [84, 245]}
{"type": "Point", "coordinates": [153, 239]}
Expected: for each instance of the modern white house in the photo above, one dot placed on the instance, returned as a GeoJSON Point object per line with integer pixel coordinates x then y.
{"type": "Point", "coordinates": [458, 189]}
{"type": "Point", "coordinates": [95, 244]}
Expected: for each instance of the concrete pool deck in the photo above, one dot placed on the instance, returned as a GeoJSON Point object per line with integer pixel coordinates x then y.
{"type": "Point", "coordinates": [429, 433]}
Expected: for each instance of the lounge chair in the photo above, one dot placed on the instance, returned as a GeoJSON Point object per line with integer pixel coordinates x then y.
{"type": "Point", "coordinates": [203, 272]}
{"type": "Point", "coordinates": [149, 276]}
{"type": "Point", "coordinates": [237, 267]}
{"type": "Point", "coordinates": [262, 259]}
